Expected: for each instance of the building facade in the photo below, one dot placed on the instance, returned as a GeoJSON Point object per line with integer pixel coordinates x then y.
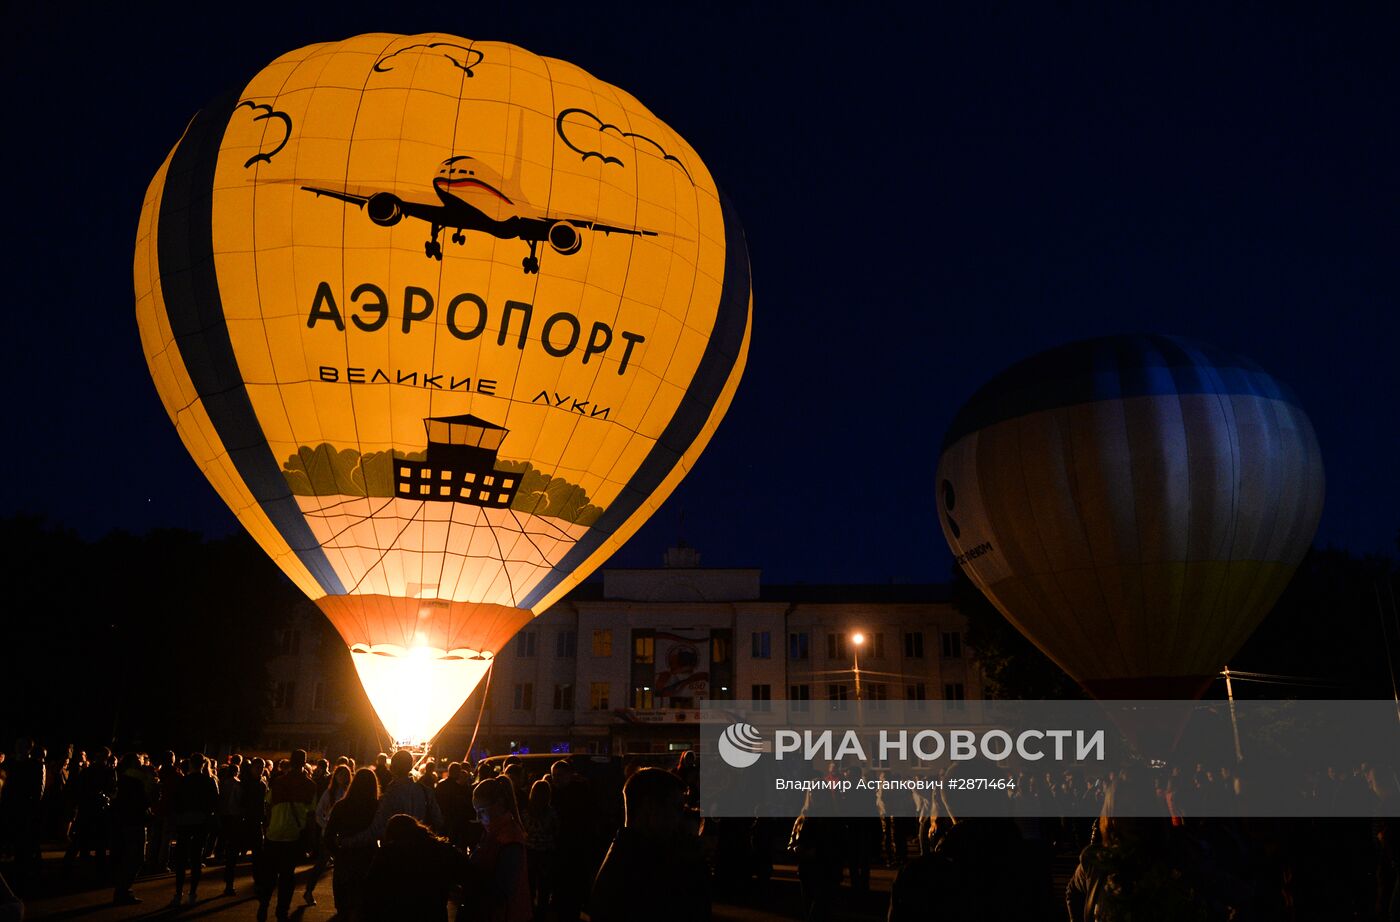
{"type": "Point", "coordinates": [622, 666]}
{"type": "Point", "coordinates": [309, 704]}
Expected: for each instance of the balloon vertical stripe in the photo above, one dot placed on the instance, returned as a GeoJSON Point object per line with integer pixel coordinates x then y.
{"type": "Point", "coordinates": [723, 352]}
{"type": "Point", "coordinates": [195, 313]}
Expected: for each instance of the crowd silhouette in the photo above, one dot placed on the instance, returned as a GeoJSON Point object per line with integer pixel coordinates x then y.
{"type": "Point", "coordinates": [409, 838]}
{"type": "Point", "coordinates": [403, 838]}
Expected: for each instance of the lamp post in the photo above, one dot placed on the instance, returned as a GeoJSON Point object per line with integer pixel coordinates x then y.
{"type": "Point", "coordinates": [1234, 723]}
{"type": "Point", "coordinates": [857, 641]}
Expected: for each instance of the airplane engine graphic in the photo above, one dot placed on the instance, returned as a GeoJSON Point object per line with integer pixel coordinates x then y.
{"type": "Point", "coordinates": [565, 238]}
{"type": "Point", "coordinates": [385, 209]}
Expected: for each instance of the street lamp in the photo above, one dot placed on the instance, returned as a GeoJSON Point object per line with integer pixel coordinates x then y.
{"type": "Point", "coordinates": [857, 641]}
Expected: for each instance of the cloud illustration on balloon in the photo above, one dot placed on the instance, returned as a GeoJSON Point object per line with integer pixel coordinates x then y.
{"type": "Point", "coordinates": [267, 113]}
{"type": "Point", "coordinates": [582, 131]}
{"type": "Point", "coordinates": [470, 57]}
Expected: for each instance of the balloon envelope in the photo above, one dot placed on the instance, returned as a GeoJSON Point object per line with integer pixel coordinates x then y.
{"type": "Point", "coordinates": [443, 322]}
{"type": "Point", "coordinates": [1133, 504]}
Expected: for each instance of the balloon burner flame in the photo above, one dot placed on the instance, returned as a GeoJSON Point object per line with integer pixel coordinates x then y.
{"type": "Point", "coordinates": [415, 691]}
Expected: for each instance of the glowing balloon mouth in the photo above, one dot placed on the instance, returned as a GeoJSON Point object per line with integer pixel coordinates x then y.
{"type": "Point", "coordinates": [416, 690]}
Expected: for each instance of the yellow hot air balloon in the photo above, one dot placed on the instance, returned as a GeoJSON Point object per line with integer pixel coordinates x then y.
{"type": "Point", "coordinates": [443, 322]}
{"type": "Point", "coordinates": [1133, 504]}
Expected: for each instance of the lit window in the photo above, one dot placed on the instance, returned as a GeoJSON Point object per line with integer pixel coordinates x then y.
{"type": "Point", "coordinates": [507, 482]}
{"type": "Point", "coordinates": [403, 472]}
{"type": "Point", "coordinates": [424, 488]}
{"type": "Point", "coordinates": [483, 494]}
{"type": "Point", "coordinates": [602, 642]}
{"type": "Point", "coordinates": [488, 480]}
{"type": "Point", "coordinates": [444, 491]}
{"type": "Point", "coordinates": [464, 493]}
{"type": "Point", "coordinates": [598, 696]}
{"type": "Point", "coordinates": [469, 477]}
{"type": "Point", "coordinates": [403, 488]}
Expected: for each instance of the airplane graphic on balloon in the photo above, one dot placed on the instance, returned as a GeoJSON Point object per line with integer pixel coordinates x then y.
{"type": "Point", "coordinates": [471, 199]}
{"type": "Point", "coordinates": [471, 196]}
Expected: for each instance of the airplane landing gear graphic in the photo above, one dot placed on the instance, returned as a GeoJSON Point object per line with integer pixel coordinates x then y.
{"type": "Point", "coordinates": [433, 248]}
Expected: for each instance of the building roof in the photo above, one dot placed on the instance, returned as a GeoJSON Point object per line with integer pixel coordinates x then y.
{"type": "Point", "coordinates": [810, 593]}
{"type": "Point", "coordinates": [876, 592]}
{"type": "Point", "coordinates": [465, 419]}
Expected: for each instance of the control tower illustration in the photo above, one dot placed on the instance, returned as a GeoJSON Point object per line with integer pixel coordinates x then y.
{"type": "Point", "coordinates": [460, 466]}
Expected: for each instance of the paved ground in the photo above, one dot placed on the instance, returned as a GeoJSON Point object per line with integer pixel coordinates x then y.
{"type": "Point", "coordinates": [85, 896]}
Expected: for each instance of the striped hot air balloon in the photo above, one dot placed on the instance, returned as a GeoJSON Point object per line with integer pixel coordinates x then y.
{"type": "Point", "coordinates": [1133, 504]}
{"type": "Point", "coordinates": [443, 322]}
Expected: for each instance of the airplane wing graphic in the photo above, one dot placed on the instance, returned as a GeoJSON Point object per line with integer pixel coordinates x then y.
{"type": "Point", "coordinates": [561, 233]}
{"type": "Point", "coordinates": [385, 208]}
{"type": "Point", "coordinates": [341, 196]}
{"type": "Point", "coordinates": [609, 228]}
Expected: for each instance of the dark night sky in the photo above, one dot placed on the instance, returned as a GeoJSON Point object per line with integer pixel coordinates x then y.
{"type": "Point", "coordinates": [927, 198]}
